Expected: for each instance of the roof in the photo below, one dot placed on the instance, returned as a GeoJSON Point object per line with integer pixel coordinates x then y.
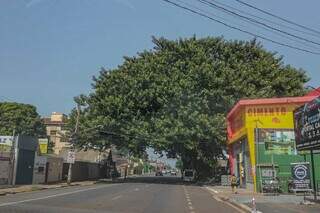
{"type": "Point", "coordinates": [315, 92]}
{"type": "Point", "coordinates": [269, 101]}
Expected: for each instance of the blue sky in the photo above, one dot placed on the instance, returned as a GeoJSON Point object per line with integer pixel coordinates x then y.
{"type": "Point", "coordinates": [50, 49]}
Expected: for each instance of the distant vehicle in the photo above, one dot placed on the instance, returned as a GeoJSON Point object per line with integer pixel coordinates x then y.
{"type": "Point", "coordinates": [188, 175]}
{"type": "Point", "coordinates": [164, 172]}
{"type": "Point", "coordinates": [173, 173]}
{"type": "Point", "coordinates": [159, 173]}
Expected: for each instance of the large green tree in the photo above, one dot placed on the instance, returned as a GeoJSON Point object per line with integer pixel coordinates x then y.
{"type": "Point", "coordinates": [21, 118]}
{"type": "Point", "coordinates": [175, 97]}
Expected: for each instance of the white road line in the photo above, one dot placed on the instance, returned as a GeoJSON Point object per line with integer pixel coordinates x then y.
{"type": "Point", "coordinates": [212, 190]}
{"type": "Point", "coordinates": [191, 207]}
{"type": "Point", "coordinates": [117, 197]}
{"type": "Point", "coordinates": [51, 196]}
{"type": "Point", "coordinates": [136, 189]}
{"type": "Point", "coordinates": [189, 203]}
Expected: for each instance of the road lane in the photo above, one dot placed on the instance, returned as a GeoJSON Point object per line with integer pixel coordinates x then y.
{"type": "Point", "coordinates": [116, 198]}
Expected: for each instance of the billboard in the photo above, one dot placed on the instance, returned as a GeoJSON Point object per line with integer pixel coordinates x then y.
{"type": "Point", "coordinates": [307, 125]}
{"type": "Point", "coordinates": [301, 176]}
{"type": "Point", "coordinates": [5, 143]}
{"type": "Point", "coordinates": [43, 145]}
{"type": "Point", "coordinates": [278, 141]}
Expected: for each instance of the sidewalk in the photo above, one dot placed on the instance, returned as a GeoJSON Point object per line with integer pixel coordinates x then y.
{"type": "Point", "coordinates": [36, 187]}
{"type": "Point", "coordinates": [244, 197]}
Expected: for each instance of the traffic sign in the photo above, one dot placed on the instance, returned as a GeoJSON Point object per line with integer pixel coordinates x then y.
{"type": "Point", "coordinates": [71, 157]}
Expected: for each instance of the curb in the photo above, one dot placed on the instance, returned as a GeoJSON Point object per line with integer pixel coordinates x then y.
{"type": "Point", "coordinates": [239, 205]}
{"type": "Point", "coordinates": [37, 188]}
{"type": "Point", "coordinates": [234, 203]}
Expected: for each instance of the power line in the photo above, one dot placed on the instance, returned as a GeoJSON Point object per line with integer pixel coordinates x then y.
{"type": "Point", "coordinates": [267, 20]}
{"type": "Point", "coordinates": [239, 29]}
{"type": "Point", "coordinates": [278, 17]}
{"type": "Point", "coordinates": [265, 28]}
{"type": "Point", "coordinates": [255, 21]}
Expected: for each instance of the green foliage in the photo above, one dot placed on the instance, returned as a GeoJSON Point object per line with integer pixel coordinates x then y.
{"type": "Point", "coordinates": [175, 97]}
{"type": "Point", "coordinates": [23, 118]}
{"type": "Point", "coordinates": [179, 164]}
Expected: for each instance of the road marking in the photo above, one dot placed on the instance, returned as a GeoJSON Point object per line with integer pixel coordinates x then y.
{"type": "Point", "coordinates": [51, 196]}
{"type": "Point", "coordinates": [117, 197]}
{"type": "Point", "coordinates": [136, 189]}
{"type": "Point", "coordinates": [191, 208]}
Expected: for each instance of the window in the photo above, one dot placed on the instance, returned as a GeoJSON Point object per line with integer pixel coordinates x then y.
{"type": "Point", "coordinates": [40, 169]}
{"type": "Point", "coordinates": [53, 132]}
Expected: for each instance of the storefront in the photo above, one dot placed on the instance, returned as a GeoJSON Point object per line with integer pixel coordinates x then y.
{"type": "Point", "coordinates": [261, 141]}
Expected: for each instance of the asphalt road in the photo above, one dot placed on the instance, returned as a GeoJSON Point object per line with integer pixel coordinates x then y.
{"type": "Point", "coordinates": [152, 195]}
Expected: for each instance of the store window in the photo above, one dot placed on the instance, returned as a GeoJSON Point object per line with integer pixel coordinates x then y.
{"type": "Point", "coordinates": [278, 141]}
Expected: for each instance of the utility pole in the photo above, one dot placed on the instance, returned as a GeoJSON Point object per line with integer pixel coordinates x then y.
{"type": "Point", "coordinates": [257, 153]}
{"type": "Point", "coordinates": [313, 175]}
{"type": "Point", "coordinates": [12, 158]}
{"type": "Point", "coordinates": [73, 136]}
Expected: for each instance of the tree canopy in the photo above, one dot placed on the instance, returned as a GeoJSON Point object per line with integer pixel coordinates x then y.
{"type": "Point", "coordinates": [21, 118]}
{"type": "Point", "coordinates": [175, 97]}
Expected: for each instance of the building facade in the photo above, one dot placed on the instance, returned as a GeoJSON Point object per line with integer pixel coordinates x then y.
{"type": "Point", "coordinates": [261, 141]}
{"type": "Point", "coordinates": [55, 127]}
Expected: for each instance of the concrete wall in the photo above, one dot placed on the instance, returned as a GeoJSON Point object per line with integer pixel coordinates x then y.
{"type": "Point", "coordinates": [4, 168]}
{"type": "Point", "coordinates": [82, 171]}
{"type": "Point", "coordinates": [55, 169]}
{"type": "Point", "coordinates": [39, 169]}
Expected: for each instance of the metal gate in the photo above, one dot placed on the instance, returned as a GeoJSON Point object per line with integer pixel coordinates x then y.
{"type": "Point", "coordinates": [25, 167]}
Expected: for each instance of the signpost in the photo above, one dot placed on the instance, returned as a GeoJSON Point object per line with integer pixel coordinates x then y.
{"type": "Point", "coordinates": [307, 131]}
{"type": "Point", "coordinates": [71, 157]}
{"type": "Point", "coordinates": [301, 176]}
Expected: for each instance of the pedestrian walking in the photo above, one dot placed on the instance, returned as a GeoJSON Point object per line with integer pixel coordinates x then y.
{"type": "Point", "coordinates": [233, 183]}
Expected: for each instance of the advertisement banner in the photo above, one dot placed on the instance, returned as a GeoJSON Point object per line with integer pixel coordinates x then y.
{"type": "Point", "coordinates": [307, 125]}
{"type": "Point", "coordinates": [278, 141]}
{"type": "Point", "coordinates": [43, 145]}
{"type": "Point", "coordinates": [5, 143]}
{"type": "Point", "coordinates": [301, 176]}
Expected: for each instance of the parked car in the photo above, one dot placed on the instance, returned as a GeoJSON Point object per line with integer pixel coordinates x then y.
{"type": "Point", "coordinates": [164, 172]}
{"type": "Point", "coordinates": [159, 173]}
{"type": "Point", "coordinates": [174, 173]}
